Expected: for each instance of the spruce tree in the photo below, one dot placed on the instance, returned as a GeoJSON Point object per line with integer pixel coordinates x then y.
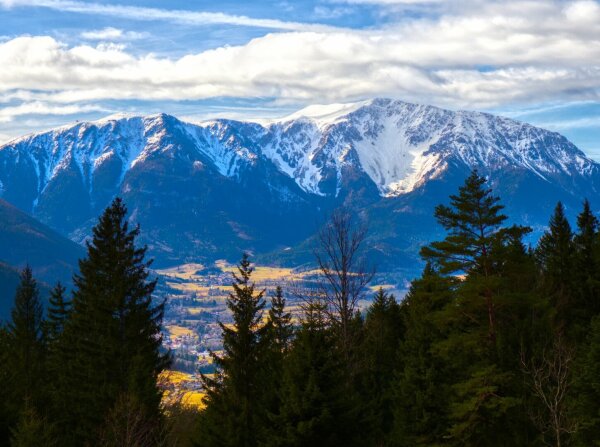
{"type": "Point", "coordinates": [383, 331]}
{"type": "Point", "coordinates": [587, 389]}
{"type": "Point", "coordinates": [33, 431]}
{"type": "Point", "coordinates": [556, 256]}
{"type": "Point", "coordinates": [113, 335]}
{"type": "Point", "coordinates": [587, 267]}
{"type": "Point", "coordinates": [235, 409]}
{"type": "Point", "coordinates": [279, 335]}
{"type": "Point", "coordinates": [315, 409]}
{"type": "Point", "coordinates": [421, 386]}
{"type": "Point", "coordinates": [281, 321]}
{"type": "Point", "coordinates": [57, 313]}
{"type": "Point", "coordinates": [26, 349]}
{"type": "Point", "coordinates": [7, 414]}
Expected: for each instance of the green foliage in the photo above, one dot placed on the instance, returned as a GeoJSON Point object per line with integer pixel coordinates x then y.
{"type": "Point", "coordinates": [587, 389]}
{"type": "Point", "coordinates": [382, 332]}
{"type": "Point", "coordinates": [33, 431]}
{"type": "Point", "coordinates": [57, 313]}
{"type": "Point", "coordinates": [236, 410]}
{"type": "Point", "coordinates": [25, 346]}
{"type": "Point", "coordinates": [112, 338]}
{"type": "Point", "coordinates": [421, 385]}
{"type": "Point", "coordinates": [315, 408]}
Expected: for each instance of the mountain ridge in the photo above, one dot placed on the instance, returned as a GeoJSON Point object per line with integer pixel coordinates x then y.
{"type": "Point", "coordinates": [211, 190]}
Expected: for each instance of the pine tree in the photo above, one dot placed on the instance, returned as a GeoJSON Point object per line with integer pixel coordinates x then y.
{"type": "Point", "coordinates": [587, 267]}
{"type": "Point", "coordinates": [281, 321]}
{"type": "Point", "coordinates": [555, 254]}
{"type": "Point", "coordinates": [26, 348]}
{"type": "Point", "coordinates": [113, 335]}
{"type": "Point", "coordinates": [587, 389]}
{"type": "Point", "coordinates": [383, 331]}
{"type": "Point", "coordinates": [474, 224]}
{"type": "Point", "coordinates": [315, 408]}
{"type": "Point", "coordinates": [421, 387]}
{"type": "Point", "coordinates": [483, 396]}
{"type": "Point", "coordinates": [57, 313]}
{"type": "Point", "coordinates": [7, 413]}
{"type": "Point", "coordinates": [280, 332]}
{"type": "Point", "coordinates": [32, 431]}
{"type": "Point", "coordinates": [235, 411]}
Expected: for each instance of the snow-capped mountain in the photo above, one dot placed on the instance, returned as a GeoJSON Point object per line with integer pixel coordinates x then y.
{"type": "Point", "coordinates": [214, 188]}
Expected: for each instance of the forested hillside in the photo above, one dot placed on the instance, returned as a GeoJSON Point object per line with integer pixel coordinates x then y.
{"type": "Point", "coordinates": [496, 344]}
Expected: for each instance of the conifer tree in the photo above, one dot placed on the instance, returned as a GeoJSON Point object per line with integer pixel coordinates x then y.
{"type": "Point", "coordinates": [57, 313]}
{"type": "Point", "coordinates": [483, 396]}
{"type": "Point", "coordinates": [33, 431]}
{"type": "Point", "coordinates": [315, 409]}
{"type": "Point", "coordinates": [281, 321]}
{"type": "Point", "coordinates": [421, 387]}
{"type": "Point", "coordinates": [555, 253]}
{"type": "Point", "coordinates": [383, 331]}
{"type": "Point", "coordinates": [474, 224]}
{"type": "Point", "coordinates": [587, 389]}
{"type": "Point", "coordinates": [7, 415]}
{"type": "Point", "coordinates": [279, 341]}
{"type": "Point", "coordinates": [113, 334]}
{"type": "Point", "coordinates": [26, 348]}
{"type": "Point", "coordinates": [587, 266]}
{"type": "Point", "coordinates": [235, 411]}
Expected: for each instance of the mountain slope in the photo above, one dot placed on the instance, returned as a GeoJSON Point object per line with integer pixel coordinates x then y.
{"type": "Point", "coordinates": [210, 190]}
{"type": "Point", "coordinates": [24, 240]}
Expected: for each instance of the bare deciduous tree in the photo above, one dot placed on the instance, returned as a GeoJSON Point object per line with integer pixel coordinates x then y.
{"type": "Point", "coordinates": [550, 380]}
{"type": "Point", "coordinates": [344, 273]}
{"type": "Point", "coordinates": [128, 425]}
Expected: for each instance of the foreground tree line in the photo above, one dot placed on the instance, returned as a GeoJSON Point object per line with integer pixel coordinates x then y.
{"type": "Point", "coordinates": [496, 344]}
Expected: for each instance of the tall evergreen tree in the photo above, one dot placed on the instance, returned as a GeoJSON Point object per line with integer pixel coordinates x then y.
{"type": "Point", "coordinates": [57, 313]}
{"type": "Point", "coordinates": [315, 408]}
{"type": "Point", "coordinates": [113, 334]}
{"type": "Point", "coordinates": [484, 398]}
{"type": "Point", "coordinates": [556, 254]}
{"type": "Point", "coordinates": [32, 431]}
{"type": "Point", "coordinates": [383, 331]}
{"type": "Point", "coordinates": [26, 348]}
{"type": "Point", "coordinates": [587, 266]}
{"type": "Point", "coordinates": [421, 385]}
{"type": "Point", "coordinates": [474, 224]}
{"type": "Point", "coordinates": [281, 321]}
{"type": "Point", "coordinates": [235, 412]}
{"type": "Point", "coordinates": [587, 389]}
{"type": "Point", "coordinates": [7, 415]}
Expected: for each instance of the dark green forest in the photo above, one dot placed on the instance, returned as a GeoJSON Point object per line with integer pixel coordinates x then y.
{"type": "Point", "coordinates": [497, 343]}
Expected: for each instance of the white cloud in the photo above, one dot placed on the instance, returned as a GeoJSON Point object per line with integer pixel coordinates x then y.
{"type": "Point", "coordinates": [529, 52]}
{"type": "Point", "coordinates": [169, 15]}
{"type": "Point", "coordinates": [578, 123]}
{"type": "Point", "coordinates": [7, 114]}
{"type": "Point", "coordinates": [112, 34]}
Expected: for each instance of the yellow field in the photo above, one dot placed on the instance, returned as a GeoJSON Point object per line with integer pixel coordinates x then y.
{"type": "Point", "coordinates": [193, 399]}
{"type": "Point", "coordinates": [179, 394]}
{"type": "Point", "coordinates": [179, 331]}
{"type": "Point", "coordinates": [183, 271]}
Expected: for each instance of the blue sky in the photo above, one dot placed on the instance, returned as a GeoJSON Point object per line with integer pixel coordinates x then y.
{"type": "Point", "coordinates": [533, 60]}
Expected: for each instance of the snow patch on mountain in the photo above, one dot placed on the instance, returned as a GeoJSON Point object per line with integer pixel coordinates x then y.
{"type": "Point", "coordinates": [398, 145]}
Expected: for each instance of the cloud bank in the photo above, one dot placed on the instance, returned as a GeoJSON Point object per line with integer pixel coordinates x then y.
{"type": "Point", "coordinates": [491, 55]}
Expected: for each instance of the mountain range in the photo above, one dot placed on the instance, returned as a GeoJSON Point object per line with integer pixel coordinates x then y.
{"type": "Point", "coordinates": [210, 190]}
